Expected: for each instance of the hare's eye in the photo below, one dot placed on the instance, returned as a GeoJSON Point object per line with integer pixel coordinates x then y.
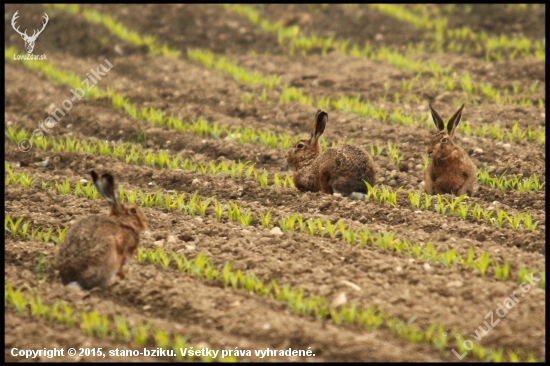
{"type": "Point", "coordinates": [300, 146]}
{"type": "Point", "coordinates": [445, 140]}
{"type": "Point", "coordinates": [132, 211]}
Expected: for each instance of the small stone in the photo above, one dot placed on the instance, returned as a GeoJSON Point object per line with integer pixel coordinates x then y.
{"type": "Point", "coordinates": [74, 286]}
{"type": "Point", "coordinates": [418, 212]}
{"type": "Point", "coordinates": [150, 183]}
{"type": "Point", "coordinates": [398, 269]}
{"type": "Point", "coordinates": [195, 181]}
{"type": "Point", "coordinates": [276, 231]}
{"type": "Point", "coordinates": [246, 232]}
{"type": "Point", "coordinates": [146, 307]}
{"type": "Point", "coordinates": [266, 326]}
{"type": "Point", "coordinates": [147, 234]}
{"type": "Point", "coordinates": [190, 247]}
{"type": "Point", "coordinates": [418, 167]}
{"type": "Point", "coordinates": [477, 150]}
{"type": "Point", "coordinates": [83, 181]}
{"type": "Point", "coordinates": [340, 299]}
{"type": "Point", "coordinates": [506, 146]}
{"type": "Point", "coordinates": [199, 219]}
{"type": "Point", "coordinates": [163, 216]}
{"type": "Point", "coordinates": [171, 239]}
{"type": "Point", "coordinates": [158, 243]}
{"type": "Point", "coordinates": [378, 37]}
{"type": "Point", "coordinates": [455, 284]}
{"type": "Point", "coordinates": [427, 267]}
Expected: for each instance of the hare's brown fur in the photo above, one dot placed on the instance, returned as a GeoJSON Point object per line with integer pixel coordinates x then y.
{"type": "Point", "coordinates": [341, 169]}
{"type": "Point", "coordinates": [450, 169]}
{"type": "Point", "coordinates": [94, 249]}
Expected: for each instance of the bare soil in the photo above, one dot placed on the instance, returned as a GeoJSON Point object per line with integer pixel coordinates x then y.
{"type": "Point", "coordinates": [225, 318]}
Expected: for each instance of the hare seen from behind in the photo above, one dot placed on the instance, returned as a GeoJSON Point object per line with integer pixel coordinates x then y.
{"type": "Point", "coordinates": [95, 248]}
{"type": "Point", "coordinates": [341, 169]}
{"type": "Point", "coordinates": [450, 169]}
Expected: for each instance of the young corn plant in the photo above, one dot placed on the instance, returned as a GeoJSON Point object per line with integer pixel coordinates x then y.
{"type": "Point", "coordinates": [440, 207]}
{"type": "Point", "coordinates": [218, 210]}
{"type": "Point", "coordinates": [245, 218]}
{"type": "Point", "coordinates": [528, 222]}
{"type": "Point", "coordinates": [502, 273]}
{"type": "Point", "coordinates": [376, 149]}
{"type": "Point", "coordinates": [393, 153]}
{"type": "Point", "coordinates": [330, 229]}
{"type": "Point", "coordinates": [427, 202]}
{"type": "Point", "coordinates": [482, 263]}
{"type": "Point", "coordinates": [415, 199]}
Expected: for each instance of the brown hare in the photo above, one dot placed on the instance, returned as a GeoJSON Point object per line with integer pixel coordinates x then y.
{"type": "Point", "coordinates": [450, 169]}
{"type": "Point", "coordinates": [341, 169]}
{"type": "Point", "coordinates": [95, 248]}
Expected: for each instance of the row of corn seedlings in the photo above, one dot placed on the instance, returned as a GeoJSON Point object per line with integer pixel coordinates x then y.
{"type": "Point", "coordinates": [15, 229]}
{"type": "Point", "coordinates": [443, 76]}
{"type": "Point", "coordinates": [156, 117]}
{"type": "Point", "coordinates": [355, 105]}
{"type": "Point", "coordinates": [455, 206]}
{"type": "Point", "coordinates": [206, 58]}
{"type": "Point", "coordinates": [236, 170]}
{"type": "Point", "coordinates": [369, 318]}
{"type": "Point", "coordinates": [515, 182]}
{"type": "Point", "coordinates": [118, 29]}
{"type": "Point", "coordinates": [464, 39]}
{"type": "Point", "coordinates": [151, 115]}
{"type": "Point", "coordinates": [94, 324]}
{"type": "Point", "coordinates": [225, 66]}
{"type": "Point", "coordinates": [131, 153]}
{"type": "Point", "coordinates": [494, 132]}
{"type": "Point", "coordinates": [197, 205]}
{"type": "Point", "coordinates": [381, 194]}
{"type": "Point", "coordinates": [200, 126]}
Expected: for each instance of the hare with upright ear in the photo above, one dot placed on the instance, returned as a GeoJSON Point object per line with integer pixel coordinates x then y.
{"type": "Point", "coordinates": [341, 169]}
{"type": "Point", "coordinates": [95, 248]}
{"type": "Point", "coordinates": [450, 169]}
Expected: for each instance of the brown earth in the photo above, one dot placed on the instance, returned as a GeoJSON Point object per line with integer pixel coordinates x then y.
{"type": "Point", "coordinates": [226, 318]}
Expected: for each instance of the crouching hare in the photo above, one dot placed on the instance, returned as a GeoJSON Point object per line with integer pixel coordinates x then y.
{"type": "Point", "coordinates": [450, 169]}
{"type": "Point", "coordinates": [95, 248]}
{"type": "Point", "coordinates": [341, 169]}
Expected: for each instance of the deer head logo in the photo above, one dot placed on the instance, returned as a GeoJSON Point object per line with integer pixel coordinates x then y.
{"type": "Point", "coordinates": [29, 41]}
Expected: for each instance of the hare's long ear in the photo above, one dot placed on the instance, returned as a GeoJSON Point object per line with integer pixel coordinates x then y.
{"type": "Point", "coordinates": [437, 119]}
{"type": "Point", "coordinates": [319, 125]}
{"type": "Point", "coordinates": [453, 122]}
{"type": "Point", "coordinates": [106, 188]}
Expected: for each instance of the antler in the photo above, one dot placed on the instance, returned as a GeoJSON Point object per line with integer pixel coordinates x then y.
{"type": "Point", "coordinates": [43, 26]}
{"type": "Point", "coordinates": [15, 16]}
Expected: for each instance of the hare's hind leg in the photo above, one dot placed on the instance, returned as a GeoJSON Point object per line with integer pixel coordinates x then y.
{"type": "Point", "coordinates": [347, 185]}
{"type": "Point", "coordinates": [324, 184]}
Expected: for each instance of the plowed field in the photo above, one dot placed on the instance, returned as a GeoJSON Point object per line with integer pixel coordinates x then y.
{"type": "Point", "coordinates": [446, 302]}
